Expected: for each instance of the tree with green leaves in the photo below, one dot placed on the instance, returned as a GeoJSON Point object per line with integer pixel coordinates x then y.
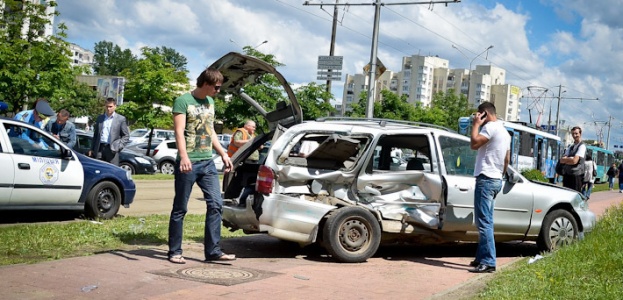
{"type": "Point", "coordinates": [80, 100]}
{"type": "Point", "coordinates": [109, 59]}
{"type": "Point", "coordinates": [32, 65]}
{"type": "Point", "coordinates": [391, 106]}
{"type": "Point", "coordinates": [454, 106]}
{"type": "Point", "coordinates": [170, 55]}
{"type": "Point", "coordinates": [314, 101]}
{"type": "Point", "coordinates": [153, 83]}
{"type": "Point", "coordinates": [233, 111]}
{"type": "Point", "coordinates": [445, 109]}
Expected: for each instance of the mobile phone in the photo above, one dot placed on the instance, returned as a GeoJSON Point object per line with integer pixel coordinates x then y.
{"type": "Point", "coordinates": [483, 116]}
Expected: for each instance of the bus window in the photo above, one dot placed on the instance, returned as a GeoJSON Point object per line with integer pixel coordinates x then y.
{"type": "Point", "coordinates": [527, 142]}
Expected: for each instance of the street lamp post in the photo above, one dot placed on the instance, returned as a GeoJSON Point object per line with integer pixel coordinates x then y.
{"type": "Point", "coordinates": [235, 43]}
{"type": "Point", "coordinates": [262, 43]}
{"type": "Point", "coordinates": [469, 83]}
{"type": "Point", "coordinates": [470, 69]}
{"type": "Point", "coordinates": [457, 49]}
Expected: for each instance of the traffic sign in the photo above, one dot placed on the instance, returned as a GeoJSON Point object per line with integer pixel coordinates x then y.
{"type": "Point", "coordinates": [329, 77]}
{"type": "Point", "coordinates": [330, 62]}
{"type": "Point", "coordinates": [380, 69]}
{"type": "Point", "coordinates": [330, 73]}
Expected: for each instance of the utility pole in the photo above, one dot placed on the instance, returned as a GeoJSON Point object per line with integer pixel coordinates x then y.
{"type": "Point", "coordinates": [375, 41]}
{"type": "Point", "coordinates": [566, 98]}
{"type": "Point", "coordinates": [332, 47]}
{"type": "Point", "coordinates": [609, 123]}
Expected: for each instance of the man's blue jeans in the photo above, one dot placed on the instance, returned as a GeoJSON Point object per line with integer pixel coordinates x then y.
{"type": "Point", "coordinates": [610, 182]}
{"type": "Point", "coordinates": [484, 195]}
{"type": "Point", "coordinates": [205, 175]}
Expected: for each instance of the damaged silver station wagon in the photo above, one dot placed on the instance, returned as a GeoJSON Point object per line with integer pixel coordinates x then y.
{"type": "Point", "coordinates": [348, 195]}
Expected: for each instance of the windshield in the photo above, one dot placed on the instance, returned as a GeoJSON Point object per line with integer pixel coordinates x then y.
{"type": "Point", "coordinates": [138, 133]}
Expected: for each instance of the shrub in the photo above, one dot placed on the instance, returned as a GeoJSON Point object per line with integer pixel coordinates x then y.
{"type": "Point", "coordinates": [534, 174]}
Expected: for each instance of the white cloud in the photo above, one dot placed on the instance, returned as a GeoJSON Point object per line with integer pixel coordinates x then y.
{"type": "Point", "coordinates": [585, 62]}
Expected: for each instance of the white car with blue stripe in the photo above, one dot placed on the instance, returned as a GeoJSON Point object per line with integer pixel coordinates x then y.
{"type": "Point", "coordinates": [54, 177]}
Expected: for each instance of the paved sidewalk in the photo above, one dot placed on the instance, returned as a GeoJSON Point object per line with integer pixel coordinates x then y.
{"type": "Point", "coordinates": [266, 269]}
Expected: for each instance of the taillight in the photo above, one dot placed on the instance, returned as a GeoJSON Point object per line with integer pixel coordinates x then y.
{"type": "Point", "coordinates": [265, 180]}
{"type": "Point", "coordinates": [153, 153]}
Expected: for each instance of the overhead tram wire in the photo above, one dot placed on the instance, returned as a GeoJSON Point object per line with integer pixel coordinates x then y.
{"type": "Point", "coordinates": [385, 33]}
{"type": "Point", "coordinates": [508, 71]}
{"type": "Point", "coordinates": [368, 23]}
{"type": "Point", "coordinates": [527, 82]}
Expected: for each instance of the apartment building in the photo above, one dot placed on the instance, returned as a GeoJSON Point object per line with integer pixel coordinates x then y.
{"type": "Point", "coordinates": [357, 83]}
{"type": "Point", "coordinates": [81, 57]}
{"type": "Point", "coordinates": [49, 12]}
{"type": "Point", "coordinates": [423, 76]}
{"type": "Point", "coordinates": [507, 101]}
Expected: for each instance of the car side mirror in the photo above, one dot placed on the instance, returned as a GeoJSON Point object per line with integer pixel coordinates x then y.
{"type": "Point", "coordinates": [66, 153]}
{"type": "Point", "coordinates": [512, 177]}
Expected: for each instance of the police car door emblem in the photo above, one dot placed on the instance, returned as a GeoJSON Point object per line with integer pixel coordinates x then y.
{"type": "Point", "coordinates": [48, 174]}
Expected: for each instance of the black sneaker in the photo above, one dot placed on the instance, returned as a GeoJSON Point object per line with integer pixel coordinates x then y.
{"type": "Point", "coordinates": [483, 269]}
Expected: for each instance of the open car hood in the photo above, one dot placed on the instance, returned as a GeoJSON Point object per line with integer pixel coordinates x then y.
{"type": "Point", "coordinates": [239, 70]}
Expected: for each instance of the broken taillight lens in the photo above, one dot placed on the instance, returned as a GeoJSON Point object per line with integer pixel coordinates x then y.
{"type": "Point", "coordinates": [265, 180]}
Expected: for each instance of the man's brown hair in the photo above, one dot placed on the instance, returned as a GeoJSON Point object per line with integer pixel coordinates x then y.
{"type": "Point", "coordinates": [209, 76]}
{"type": "Point", "coordinates": [578, 128]}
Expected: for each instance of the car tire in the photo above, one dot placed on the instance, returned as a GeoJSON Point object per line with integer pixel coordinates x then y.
{"type": "Point", "coordinates": [103, 201]}
{"type": "Point", "coordinates": [351, 235]}
{"type": "Point", "coordinates": [559, 229]}
{"type": "Point", "coordinates": [128, 167]}
{"type": "Point", "coordinates": [167, 167]}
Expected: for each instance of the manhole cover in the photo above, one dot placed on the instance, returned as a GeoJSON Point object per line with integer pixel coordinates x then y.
{"type": "Point", "coordinates": [216, 274]}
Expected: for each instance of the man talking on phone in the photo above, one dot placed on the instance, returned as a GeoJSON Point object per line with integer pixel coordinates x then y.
{"type": "Point", "coordinates": [493, 144]}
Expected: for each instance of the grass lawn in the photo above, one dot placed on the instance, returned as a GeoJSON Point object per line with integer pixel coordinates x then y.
{"type": "Point", "coordinates": [590, 269]}
{"type": "Point", "coordinates": [34, 243]}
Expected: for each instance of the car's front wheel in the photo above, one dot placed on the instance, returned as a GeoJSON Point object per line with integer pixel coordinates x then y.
{"type": "Point", "coordinates": [103, 201]}
{"type": "Point", "coordinates": [167, 167]}
{"type": "Point", "coordinates": [559, 229]}
{"type": "Point", "coordinates": [351, 234]}
{"type": "Point", "coordinates": [127, 167]}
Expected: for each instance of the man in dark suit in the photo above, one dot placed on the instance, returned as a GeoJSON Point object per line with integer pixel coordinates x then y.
{"type": "Point", "coordinates": [110, 134]}
{"type": "Point", "coordinates": [62, 129]}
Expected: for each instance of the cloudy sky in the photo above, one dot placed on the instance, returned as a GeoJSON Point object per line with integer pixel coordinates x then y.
{"type": "Point", "coordinates": [540, 43]}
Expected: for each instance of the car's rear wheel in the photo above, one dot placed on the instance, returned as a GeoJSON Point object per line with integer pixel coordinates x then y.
{"type": "Point", "coordinates": [351, 234]}
{"type": "Point", "coordinates": [103, 201]}
{"type": "Point", "coordinates": [559, 229]}
{"type": "Point", "coordinates": [167, 167]}
{"type": "Point", "coordinates": [127, 167]}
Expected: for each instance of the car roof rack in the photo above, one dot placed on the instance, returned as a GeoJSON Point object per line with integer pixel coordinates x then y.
{"type": "Point", "coordinates": [384, 122]}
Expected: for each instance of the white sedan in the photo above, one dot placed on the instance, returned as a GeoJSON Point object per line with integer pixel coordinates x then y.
{"type": "Point", "coordinates": [39, 172]}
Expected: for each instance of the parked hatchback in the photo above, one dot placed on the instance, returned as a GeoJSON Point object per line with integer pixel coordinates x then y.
{"type": "Point", "coordinates": [142, 135]}
{"type": "Point", "coordinates": [165, 155]}
{"type": "Point", "coordinates": [348, 195]}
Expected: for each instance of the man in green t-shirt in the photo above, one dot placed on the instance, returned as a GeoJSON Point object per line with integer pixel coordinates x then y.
{"type": "Point", "coordinates": [193, 122]}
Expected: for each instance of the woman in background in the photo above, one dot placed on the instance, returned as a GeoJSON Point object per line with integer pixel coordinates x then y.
{"type": "Point", "coordinates": [612, 173]}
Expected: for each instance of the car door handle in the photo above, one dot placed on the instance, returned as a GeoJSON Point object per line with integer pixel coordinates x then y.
{"type": "Point", "coordinates": [462, 188]}
{"type": "Point", "coordinates": [23, 166]}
